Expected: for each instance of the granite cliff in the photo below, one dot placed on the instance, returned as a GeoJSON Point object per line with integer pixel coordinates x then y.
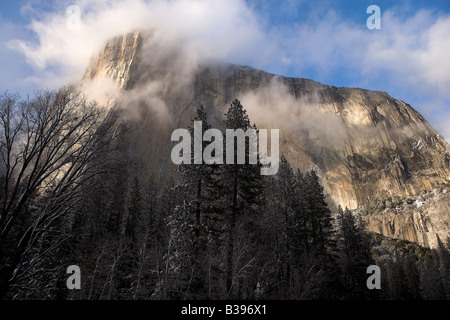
{"type": "Point", "coordinates": [365, 145]}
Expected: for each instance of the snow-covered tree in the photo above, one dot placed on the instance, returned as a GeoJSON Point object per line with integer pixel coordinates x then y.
{"type": "Point", "coordinates": [50, 145]}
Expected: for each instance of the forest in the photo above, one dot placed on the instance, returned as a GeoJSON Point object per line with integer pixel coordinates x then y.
{"type": "Point", "coordinates": [72, 192]}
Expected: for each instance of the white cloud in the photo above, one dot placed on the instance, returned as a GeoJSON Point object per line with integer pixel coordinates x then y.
{"type": "Point", "coordinates": [437, 112]}
{"type": "Point", "coordinates": [408, 53]}
{"type": "Point", "coordinates": [213, 29]}
{"type": "Point", "coordinates": [412, 52]}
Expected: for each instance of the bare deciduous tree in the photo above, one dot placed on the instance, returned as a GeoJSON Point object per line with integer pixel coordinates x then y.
{"type": "Point", "coordinates": [50, 145]}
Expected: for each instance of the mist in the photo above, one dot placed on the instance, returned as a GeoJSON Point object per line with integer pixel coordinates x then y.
{"type": "Point", "coordinates": [273, 106]}
{"type": "Point", "coordinates": [405, 58]}
{"type": "Point", "coordinates": [206, 29]}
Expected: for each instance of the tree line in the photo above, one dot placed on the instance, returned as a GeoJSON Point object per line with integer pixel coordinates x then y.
{"type": "Point", "coordinates": [72, 193]}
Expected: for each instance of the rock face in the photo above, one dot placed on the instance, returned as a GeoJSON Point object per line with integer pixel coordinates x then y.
{"type": "Point", "coordinates": [364, 144]}
{"type": "Point", "coordinates": [421, 219]}
{"type": "Point", "coordinates": [116, 60]}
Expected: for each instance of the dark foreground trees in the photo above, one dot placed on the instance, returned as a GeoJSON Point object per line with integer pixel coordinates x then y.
{"type": "Point", "coordinates": [50, 145]}
{"type": "Point", "coordinates": [209, 232]}
{"type": "Point", "coordinates": [354, 254]}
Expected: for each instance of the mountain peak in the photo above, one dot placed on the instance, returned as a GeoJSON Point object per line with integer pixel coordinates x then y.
{"type": "Point", "coordinates": [116, 59]}
{"type": "Point", "coordinates": [365, 145]}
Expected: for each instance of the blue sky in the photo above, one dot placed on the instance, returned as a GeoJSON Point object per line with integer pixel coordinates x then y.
{"type": "Point", "coordinates": [325, 40]}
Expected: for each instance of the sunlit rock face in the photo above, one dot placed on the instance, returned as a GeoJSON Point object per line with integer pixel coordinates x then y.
{"type": "Point", "coordinates": [365, 145]}
{"type": "Point", "coordinates": [116, 60]}
{"type": "Point", "coordinates": [421, 219]}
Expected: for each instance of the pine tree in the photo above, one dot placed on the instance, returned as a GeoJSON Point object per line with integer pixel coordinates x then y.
{"type": "Point", "coordinates": [444, 267]}
{"type": "Point", "coordinates": [284, 198]}
{"type": "Point", "coordinates": [354, 254]}
{"type": "Point", "coordinates": [167, 222]}
{"type": "Point", "coordinates": [430, 278]}
{"type": "Point", "coordinates": [319, 214]}
{"type": "Point", "coordinates": [318, 268]}
{"type": "Point", "coordinates": [195, 222]}
{"type": "Point", "coordinates": [412, 278]}
{"type": "Point", "coordinates": [195, 177]}
{"type": "Point", "coordinates": [271, 222]}
{"type": "Point", "coordinates": [300, 235]}
{"type": "Point", "coordinates": [241, 186]}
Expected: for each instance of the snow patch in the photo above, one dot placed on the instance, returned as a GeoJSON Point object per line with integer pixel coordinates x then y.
{"type": "Point", "coordinates": [418, 203]}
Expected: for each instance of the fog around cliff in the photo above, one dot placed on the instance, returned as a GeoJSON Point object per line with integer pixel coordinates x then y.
{"type": "Point", "coordinates": [407, 56]}
{"type": "Point", "coordinates": [144, 228]}
{"type": "Point", "coordinates": [272, 105]}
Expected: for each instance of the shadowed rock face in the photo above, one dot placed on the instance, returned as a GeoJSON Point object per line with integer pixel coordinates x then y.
{"type": "Point", "coordinates": [364, 144]}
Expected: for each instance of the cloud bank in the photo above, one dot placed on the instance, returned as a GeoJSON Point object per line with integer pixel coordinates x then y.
{"type": "Point", "coordinates": [408, 55]}
{"type": "Point", "coordinates": [214, 29]}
